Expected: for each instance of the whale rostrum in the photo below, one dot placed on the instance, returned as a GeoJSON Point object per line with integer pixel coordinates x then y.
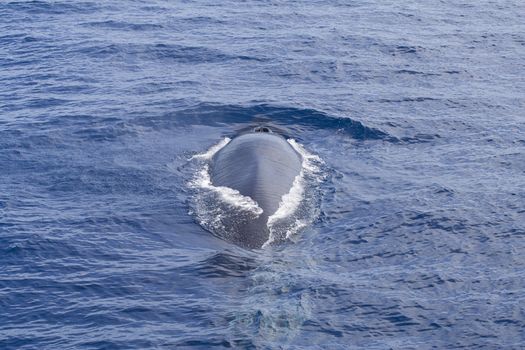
{"type": "Point", "coordinates": [263, 166]}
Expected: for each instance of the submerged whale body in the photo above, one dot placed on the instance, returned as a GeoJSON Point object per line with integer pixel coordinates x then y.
{"type": "Point", "coordinates": [261, 165]}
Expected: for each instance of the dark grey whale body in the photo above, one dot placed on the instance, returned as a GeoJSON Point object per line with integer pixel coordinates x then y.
{"type": "Point", "coordinates": [263, 166]}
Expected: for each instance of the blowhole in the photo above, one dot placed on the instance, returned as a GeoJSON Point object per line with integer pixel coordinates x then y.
{"type": "Point", "coordinates": [262, 129]}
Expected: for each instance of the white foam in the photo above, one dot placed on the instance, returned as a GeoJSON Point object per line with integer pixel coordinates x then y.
{"type": "Point", "coordinates": [290, 201]}
{"type": "Point", "coordinates": [213, 149]}
{"type": "Point", "coordinates": [310, 161]}
{"type": "Point", "coordinates": [227, 194]}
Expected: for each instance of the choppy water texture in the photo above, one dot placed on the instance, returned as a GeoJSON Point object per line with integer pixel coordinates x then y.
{"type": "Point", "coordinates": [416, 109]}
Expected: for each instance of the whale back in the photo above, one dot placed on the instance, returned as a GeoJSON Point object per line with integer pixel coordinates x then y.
{"type": "Point", "coordinates": [262, 166]}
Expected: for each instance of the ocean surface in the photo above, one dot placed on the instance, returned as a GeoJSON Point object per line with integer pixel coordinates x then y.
{"type": "Point", "coordinates": [416, 110]}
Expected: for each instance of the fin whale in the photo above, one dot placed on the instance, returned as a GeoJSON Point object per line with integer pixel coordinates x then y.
{"type": "Point", "coordinates": [261, 165]}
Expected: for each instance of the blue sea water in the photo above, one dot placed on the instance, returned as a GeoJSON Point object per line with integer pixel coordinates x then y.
{"type": "Point", "coordinates": [417, 109]}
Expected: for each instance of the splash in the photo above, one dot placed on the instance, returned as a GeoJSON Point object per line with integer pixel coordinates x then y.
{"type": "Point", "coordinates": [228, 195]}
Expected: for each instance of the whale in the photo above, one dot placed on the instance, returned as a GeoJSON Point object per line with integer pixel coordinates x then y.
{"type": "Point", "coordinates": [259, 164]}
